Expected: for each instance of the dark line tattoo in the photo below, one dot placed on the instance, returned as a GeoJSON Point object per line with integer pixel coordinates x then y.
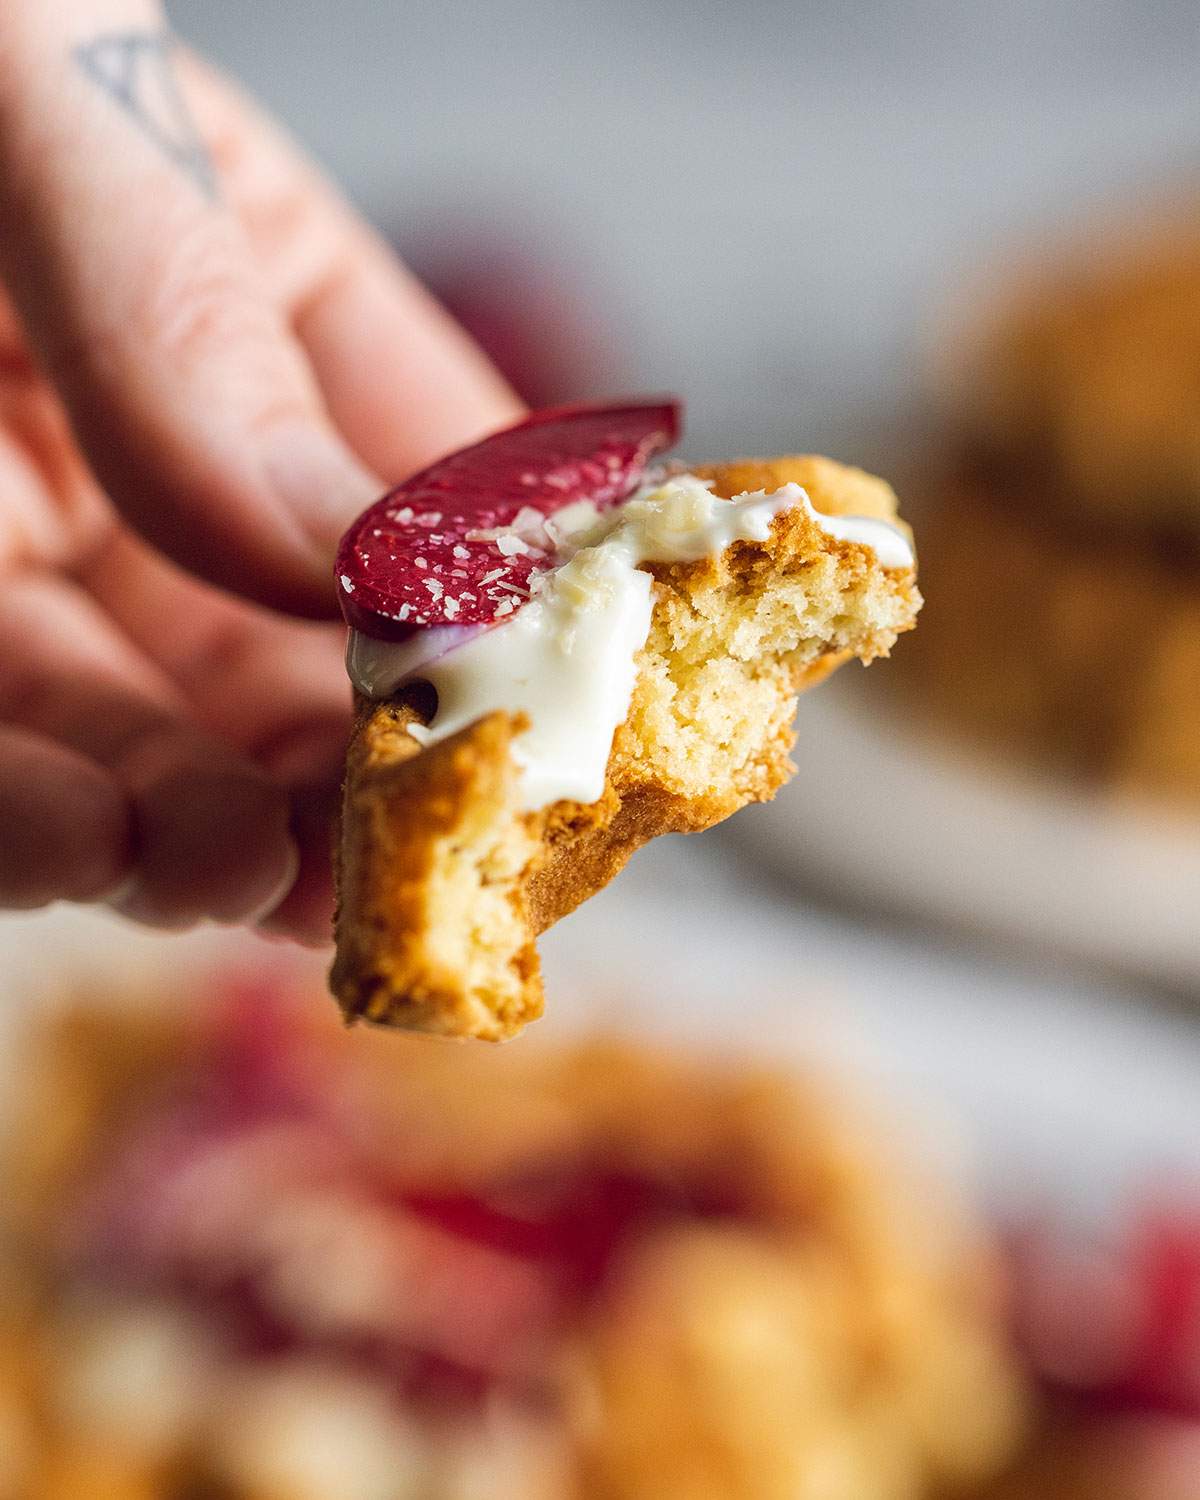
{"type": "Point", "coordinates": [135, 70]}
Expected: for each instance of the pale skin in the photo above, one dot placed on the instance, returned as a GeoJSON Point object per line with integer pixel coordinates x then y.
{"type": "Point", "coordinates": [208, 365]}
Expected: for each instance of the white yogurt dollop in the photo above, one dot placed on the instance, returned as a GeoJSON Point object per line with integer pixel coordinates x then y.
{"type": "Point", "coordinates": [567, 658]}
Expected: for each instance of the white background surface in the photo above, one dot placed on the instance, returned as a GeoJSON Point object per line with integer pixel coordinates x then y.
{"type": "Point", "coordinates": [764, 204]}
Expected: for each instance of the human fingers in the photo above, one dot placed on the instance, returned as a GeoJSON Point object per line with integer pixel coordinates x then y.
{"type": "Point", "coordinates": [191, 396]}
{"type": "Point", "coordinates": [64, 827]}
{"type": "Point", "coordinates": [402, 380]}
{"type": "Point", "coordinates": [274, 687]}
{"type": "Point", "coordinates": [251, 676]}
{"type": "Point", "coordinates": [209, 829]}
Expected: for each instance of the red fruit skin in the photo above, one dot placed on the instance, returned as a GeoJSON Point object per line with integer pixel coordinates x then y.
{"type": "Point", "coordinates": [411, 560]}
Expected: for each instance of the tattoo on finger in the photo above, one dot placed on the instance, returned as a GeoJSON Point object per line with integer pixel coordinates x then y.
{"type": "Point", "coordinates": [136, 70]}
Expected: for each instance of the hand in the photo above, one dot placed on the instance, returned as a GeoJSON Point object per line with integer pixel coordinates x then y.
{"type": "Point", "coordinates": [208, 365]}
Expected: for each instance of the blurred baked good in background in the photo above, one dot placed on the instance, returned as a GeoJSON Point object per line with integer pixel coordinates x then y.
{"type": "Point", "coordinates": [1084, 391]}
{"type": "Point", "coordinates": [1061, 548]}
{"type": "Point", "coordinates": [250, 1255]}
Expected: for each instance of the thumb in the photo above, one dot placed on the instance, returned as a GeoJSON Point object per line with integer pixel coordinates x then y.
{"type": "Point", "coordinates": [189, 395]}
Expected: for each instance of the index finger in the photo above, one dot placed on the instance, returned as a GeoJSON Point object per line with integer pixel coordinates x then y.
{"type": "Point", "coordinates": [190, 393]}
{"type": "Point", "coordinates": [403, 381]}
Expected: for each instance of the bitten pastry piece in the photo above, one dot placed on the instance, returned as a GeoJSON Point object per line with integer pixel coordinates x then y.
{"type": "Point", "coordinates": [446, 875]}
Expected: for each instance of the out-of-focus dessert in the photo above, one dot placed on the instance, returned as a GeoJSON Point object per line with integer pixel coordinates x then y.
{"type": "Point", "coordinates": [1111, 1324]}
{"type": "Point", "coordinates": [1064, 542]}
{"type": "Point", "coordinates": [249, 1257]}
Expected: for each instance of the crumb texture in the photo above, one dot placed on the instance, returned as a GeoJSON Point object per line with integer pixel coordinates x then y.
{"type": "Point", "coordinates": [444, 883]}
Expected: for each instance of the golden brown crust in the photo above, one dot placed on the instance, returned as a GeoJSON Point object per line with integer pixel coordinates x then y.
{"type": "Point", "coordinates": [404, 814]}
{"type": "Point", "coordinates": [444, 883]}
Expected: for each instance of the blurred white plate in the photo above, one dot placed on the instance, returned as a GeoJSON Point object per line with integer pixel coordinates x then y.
{"type": "Point", "coordinates": [897, 821]}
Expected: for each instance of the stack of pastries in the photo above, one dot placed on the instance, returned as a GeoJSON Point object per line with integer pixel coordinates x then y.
{"type": "Point", "coordinates": [1062, 553]}
{"type": "Point", "coordinates": [248, 1256]}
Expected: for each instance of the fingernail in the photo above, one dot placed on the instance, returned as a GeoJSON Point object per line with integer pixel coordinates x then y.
{"type": "Point", "coordinates": [318, 481]}
{"type": "Point", "coordinates": [280, 891]}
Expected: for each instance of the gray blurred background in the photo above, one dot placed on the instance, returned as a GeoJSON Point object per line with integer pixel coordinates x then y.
{"type": "Point", "coordinates": [758, 205]}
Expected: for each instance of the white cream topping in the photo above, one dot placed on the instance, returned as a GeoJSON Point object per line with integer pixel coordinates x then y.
{"type": "Point", "coordinates": [567, 658]}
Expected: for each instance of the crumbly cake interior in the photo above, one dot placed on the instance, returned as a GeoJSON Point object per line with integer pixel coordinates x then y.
{"type": "Point", "coordinates": [444, 881]}
{"type": "Point", "coordinates": [728, 648]}
{"type": "Point", "coordinates": [476, 929]}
